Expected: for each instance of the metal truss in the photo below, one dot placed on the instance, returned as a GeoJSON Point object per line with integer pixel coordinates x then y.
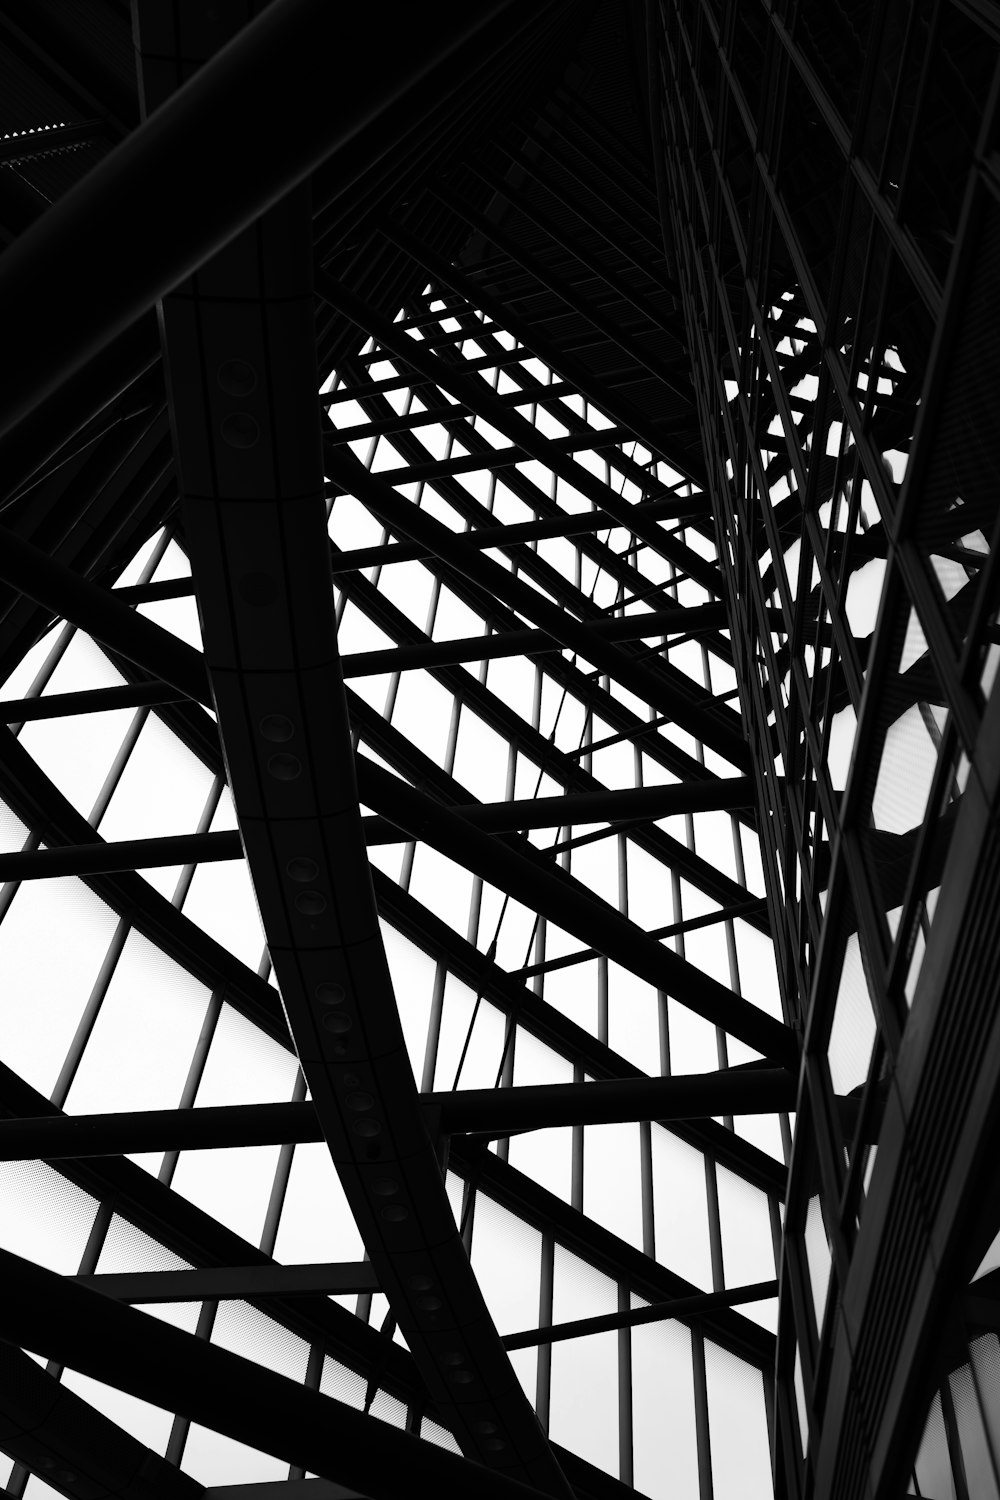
{"type": "Point", "coordinates": [520, 298]}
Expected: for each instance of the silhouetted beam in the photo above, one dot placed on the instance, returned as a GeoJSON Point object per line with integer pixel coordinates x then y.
{"type": "Point", "coordinates": [696, 1096]}
{"type": "Point", "coordinates": [81, 1451]}
{"type": "Point", "coordinates": [690, 1096]}
{"type": "Point", "coordinates": [494, 458]}
{"type": "Point", "coordinates": [651, 802]}
{"type": "Point", "coordinates": [528, 642]}
{"type": "Point", "coordinates": [44, 435]}
{"type": "Point", "coordinates": [147, 1357]}
{"type": "Point", "coordinates": [588, 807]}
{"type": "Point", "coordinates": [664, 688]}
{"type": "Point", "coordinates": [100, 858]}
{"type": "Point", "coordinates": [558, 359]}
{"type": "Point", "coordinates": [501, 537]}
{"type": "Point", "coordinates": [109, 620]}
{"type": "Point", "coordinates": [147, 593]}
{"type": "Point", "coordinates": [567, 903]}
{"type": "Point", "coordinates": [678, 1307]}
{"type": "Point", "coordinates": [479, 398]}
{"type": "Point", "coordinates": [222, 1282]}
{"type": "Point", "coordinates": [56, 1137]}
{"type": "Point", "coordinates": [89, 701]}
{"type": "Point", "coordinates": [152, 211]}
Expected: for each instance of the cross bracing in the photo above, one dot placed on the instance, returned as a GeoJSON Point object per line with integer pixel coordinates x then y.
{"type": "Point", "coordinates": [465, 515]}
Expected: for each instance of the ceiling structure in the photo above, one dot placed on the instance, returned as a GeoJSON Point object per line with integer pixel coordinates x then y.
{"type": "Point", "coordinates": [395, 1069]}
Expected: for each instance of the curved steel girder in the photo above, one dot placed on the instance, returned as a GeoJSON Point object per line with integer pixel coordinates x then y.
{"type": "Point", "coordinates": [249, 456]}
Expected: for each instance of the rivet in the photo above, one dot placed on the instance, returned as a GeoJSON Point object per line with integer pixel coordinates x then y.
{"type": "Point", "coordinates": [285, 767]}
{"type": "Point", "coordinates": [394, 1212]}
{"type": "Point", "coordinates": [462, 1377]}
{"type": "Point", "coordinates": [484, 1426]}
{"type": "Point", "coordinates": [302, 869]}
{"type": "Point", "coordinates": [421, 1283]}
{"type": "Point", "coordinates": [276, 728]}
{"type": "Point", "coordinates": [236, 377]}
{"type": "Point", "coordinates": [337, 1022]}
{"type": "Point", "coordinates": [330, 993]}
{"type": "Point", "coordinates": [367, 1128]}
{"type": "Point", "coordinates": [240, 430]}
{"type": "Point", "coordinates": [385, 1187]}
{"type": "Point", "coordinates": [310, 903]}
{"type": "Point", "coordinates": [429, 1304]}
{"type": "Point", "coordinates": [360, 1102]}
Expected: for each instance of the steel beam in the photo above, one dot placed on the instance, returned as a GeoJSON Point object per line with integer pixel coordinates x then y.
{"type": "Point", "coordinates": [476, 396]}
{"type": "Point", "coordinates": [100, 858]}
{"type": "Point", "coordinates": [81, 1452]}
{"type": "Point", "coordinates": [571, 906]}
{"type": "Point", "coordinates": [152, 211]}
{"type": "Point", "coordinates": [109, 620]}
{"type": "Point", "coordinates": [55, 1137]}
{"type": "Point", "coordinates": [497, 1112]}
{"type": "Point", "coordinates": [664, 689]}
{"type": "Point", "coordinates": [88, 701]}
{"type": "Point", "coordinates": [656, 1312]}
{"type": "Point", "coordinates": [566, 524]}
{"type": "Point", "coordinates": [529, 642]}
{"type": "Point", "coordinates": [51, 1316]}
{"type": "Point", "coordinates": [501, 1112]}
{"type": "Point", "coordinates": [649, 802]}
{"type": "Point", "coordinates": [229, 1282]}
{"type": "Point", "coordinates": [527, 333]}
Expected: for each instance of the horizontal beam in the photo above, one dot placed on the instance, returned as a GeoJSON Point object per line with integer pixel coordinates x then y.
{"type": "Point", "coordinates": [753, 1090]}
{"type": "Point", "coordinates": [650, 802]}
{"type": "Point", "coordinates": [635, 627]}
{"type": "Point", "coordinates": [101, 858]}
{"type": "Point", "coordinates": [227, 1282]}
{"type": "Point", "coordinates": [656, 1312]}
{"type": "Point", "coordinates": [693, 1096]}
{"type": "Point", "coordinates": [501, 537]}
{"type": "Point", "coordinates": [557, 896]}
{"type": "Point", "coordinates": [68, 1137]}
{"type": "Point", "coordinates": [89, 701]}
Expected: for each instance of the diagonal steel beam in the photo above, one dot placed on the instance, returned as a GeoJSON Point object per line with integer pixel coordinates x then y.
{"type": "Point", "coordinates": [151, 212]}
{"type": "Point", "coordinates": [146, 1357]}
{"type": "Point", "coordinates": [53, 1431]}
{"type": "Point", "coordinates": [477, 396]}
{"type": "Point", "coordinates": [657, 1312]}
{"type": "Point", "coordinates": [571, 906]}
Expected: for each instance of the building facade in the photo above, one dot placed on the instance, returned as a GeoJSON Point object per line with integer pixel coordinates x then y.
{"type": "Point", "coordinates": [499, 922]}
